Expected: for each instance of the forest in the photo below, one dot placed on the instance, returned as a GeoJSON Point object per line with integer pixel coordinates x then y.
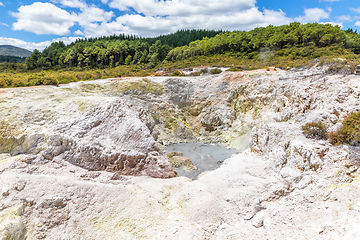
{"type": "Point", "coordinates": [113, 50]}
{"type": "Point", "coordinates": [248, 44]}
{"type": "Point", "coordinates": [286, 46]}
{"type": "Point", "coordinates": [127, 50]}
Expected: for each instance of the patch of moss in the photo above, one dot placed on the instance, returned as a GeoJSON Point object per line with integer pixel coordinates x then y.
{"type": "Point", "coordinates": [178, 73]}
{"type": "Point", "coordinates": [90, 87]}
{"type": "Point", "coordinates": [143, 86]}
{"type": "Point", "coordinates": [349, 133]}
{"type": "Point", "coordinates": [8, 138]}
{"type": "Point", "coordinates": [215, 71]}
{"type": "Point", "coordinates": [191, 74]}
{"type": "Point", "coordinates": [235, 69]}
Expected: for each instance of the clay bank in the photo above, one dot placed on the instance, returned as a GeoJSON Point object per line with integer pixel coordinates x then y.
{"type": "Point", "coordinates": [86, 160]}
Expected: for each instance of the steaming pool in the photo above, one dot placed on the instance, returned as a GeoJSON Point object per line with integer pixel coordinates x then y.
{"type": "Point", "coordinates": [205, 157]}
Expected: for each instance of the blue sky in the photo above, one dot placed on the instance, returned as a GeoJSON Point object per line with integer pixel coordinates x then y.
{"type": "Point", "coordinates": [35, 24]}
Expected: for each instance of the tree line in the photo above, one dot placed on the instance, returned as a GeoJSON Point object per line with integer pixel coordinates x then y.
{"type": "Point", "coordinates": [125, 50]}
{"type": "Point", "coordinates": [12, 59]}
{"type": "Point", "coordinates": [272, 38]}
{"type": "Point", "coordinates": [113, 50]}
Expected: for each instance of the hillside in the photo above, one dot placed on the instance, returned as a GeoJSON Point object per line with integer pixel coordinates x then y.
{"type": "Point", "coordinates": [81, 161]}
{"type": "Point", "coordinates": [281, 46]}
{"type": "Point", "coordinates": [8, 50]}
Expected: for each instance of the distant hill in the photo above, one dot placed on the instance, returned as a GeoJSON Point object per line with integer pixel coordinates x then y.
{"type": "Point", "coordinates": [8, 50]}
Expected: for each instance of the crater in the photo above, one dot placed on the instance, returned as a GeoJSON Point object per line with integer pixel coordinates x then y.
{"type": "Point", "coordinates": [205, 157]}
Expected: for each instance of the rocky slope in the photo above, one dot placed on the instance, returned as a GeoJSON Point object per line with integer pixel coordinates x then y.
{"type": "Point", "coordinates": [83, 161]}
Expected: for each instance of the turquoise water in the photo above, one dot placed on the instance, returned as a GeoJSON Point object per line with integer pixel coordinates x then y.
{"type": "Point", "coordinates": [206, 157]}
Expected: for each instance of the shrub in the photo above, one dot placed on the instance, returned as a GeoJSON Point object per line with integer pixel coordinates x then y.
{"type": "Point", "coordinates": [204, 70]}
{"type": "Point", "coordinates": [235, 69]}
{"type": "Point", "coordinates": [215, 71]}
{"type": "Point", "coordinates": [194, 74]}
{"type": "Point", "coordinates": [177, 73]}
{"type": "Point", "coordinates": [2, 83]}
{"type": "Point", "coordinates": [315, 130]}
{"type": "Point", "coordinates": [349, 133]}
{"type": "Point", "coordinates": [50, 81]}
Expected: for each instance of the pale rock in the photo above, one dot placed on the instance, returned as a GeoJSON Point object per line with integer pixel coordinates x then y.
{"type": "Point", "coordinates": [258, 219]}
{"type": "Point", "coordinates": [83, 156]}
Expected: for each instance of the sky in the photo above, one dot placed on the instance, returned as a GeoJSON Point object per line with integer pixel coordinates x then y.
{"type": "Point", "coordinates": [36, 24]}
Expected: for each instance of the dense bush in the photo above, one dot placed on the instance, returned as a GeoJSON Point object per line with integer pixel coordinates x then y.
{"type": "Point", "coordinates": [215, 71]}
{"type": "Point", "coordinates": [263, 42]}
{"type": "Point", "coordinates": [349, 133]}
{"type": "Point", "coordinates": [315, 130]}
{"type": "Point", "coordinates": [177, 73]}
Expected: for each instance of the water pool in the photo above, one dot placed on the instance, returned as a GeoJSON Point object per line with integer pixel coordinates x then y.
{"type": "Point", "coordinates": [206, 157]}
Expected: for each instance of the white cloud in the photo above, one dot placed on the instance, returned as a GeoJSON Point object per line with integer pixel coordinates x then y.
{"type": "Point", "coordinates": [357, 23]}
{"type": "Point", "coordinates": [334, 24]}
{"type": "Point", "coordinates": [184, 7]}
{"type": "Point", "coordinates": [44, 18]}
{"type": "Point", "coordinates": [153, 25]}
{"type": "Point", "coordinates": [313, 15]}
{"type": "Point", "coordinates": [79, 33]}
{"type": "Point", "coordinates": [31, 45]}
{"type": "Point", "coordinates": [345, 18]}
{"type": "Point", "coordinates": [1, 4]}
{"type": "Point", "coordinates": [93, 16]}
{"type": "Point", "coordinates": [154, 17]}
{"type": "Point", "coordinates": [71, 3]}
{"type": "Point", "coordinates": [162, 17]}
{"type": "Point", "coordinates": [4, 24]}
{"type": "Point", "coordinates": [357, 10]}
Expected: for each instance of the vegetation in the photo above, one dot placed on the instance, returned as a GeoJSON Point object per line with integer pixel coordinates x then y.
{"type": "Point", "coordinates": [215, 71]}
{"type": "Point", "coordinates": [183, 37]}
{"type": "Point", "coordinates": [291, 45]}
{"type": "Point", "coordinates": [143, 86]}
{"type": "Point", "coordinates": [19, 78]}
{"type": "Point", "coordinates": [315, 130]}
{"type": "Point", "coordinates": [267, 42]}
{"type": "Point", "coordinates": [11, 59]}
{"type": "Point", "coordinates": [349, 133]}
{"type": "Point", "coordinates": [112, 51]}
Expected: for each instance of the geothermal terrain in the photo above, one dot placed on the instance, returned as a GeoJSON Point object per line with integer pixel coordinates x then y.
{"type": "Point", "coordinates": [86, 160]}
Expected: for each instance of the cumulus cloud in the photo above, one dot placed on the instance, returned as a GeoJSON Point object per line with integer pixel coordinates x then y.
{"type": "Point", "coordinates": [44, 18]}
{"type": "Point", "coordinates": [357, 10]}
{"type": "Point", "coordinates": [313, 15]}
{"type": "Point", "coordinates": [152, 17]}
{"type": "Point", "coordinates": [79, 33]}
{"type": "Point", "coordinates": [184, 7]}
{"type": "Point", "coordinates": [345, 18]}
{"type": "Point", "coordinates": [156, 25]}
{"type": "Point", "coordinates": [357, 23]}
{"type": "Point", "coordinates": [71, 3]}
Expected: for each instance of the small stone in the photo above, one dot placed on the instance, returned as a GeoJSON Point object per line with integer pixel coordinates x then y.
{"type": "Point", "coordinates": [258, 219]}
{"type": "Point", "coordinates": [183, 162]}
{"type": "Point", "coordinates": [172, 154]}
